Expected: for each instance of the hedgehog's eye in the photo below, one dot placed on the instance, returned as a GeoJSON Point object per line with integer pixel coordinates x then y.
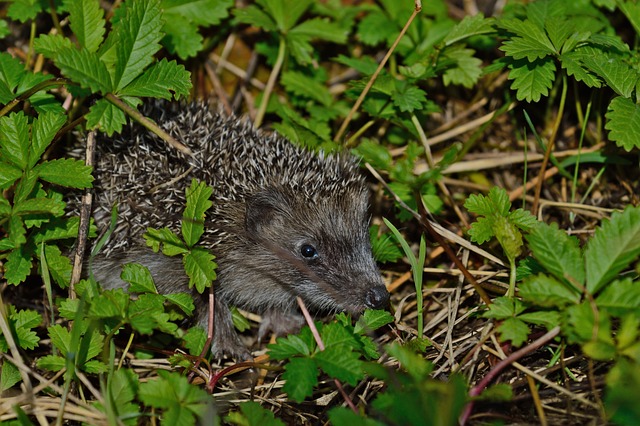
{"type": "Point", "coordinates": [308, 251]}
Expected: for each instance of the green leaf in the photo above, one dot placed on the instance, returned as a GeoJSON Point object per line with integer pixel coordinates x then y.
{"type": "Point", "coordinates": [161, 80]}
{"type": "Point", "coordinates": [301, 375]}
{"type": "Point", "coordinates": [59, 265]}
{"type": "Point", "coordinates": [253, 15]}
{"type": "Point", "coordinates": [135, 39]}
{"type": "Point", "coordinates": [8, 174]}
{"type": "Point", "coordinates": [85, 68]}
{"type": "Point", "coordinates": [497, 201]}
{"type": "Point", "coordinates": [341, 364]}
{"type": "Point", "coordinates": [51, 363]}
{"type": "Point", "coordinates": [194, 340]}
{"type": "Point", "coordinates": [65, 172]}
{"type": "Point", "coordinates": [166, 240]}
{"type": "Point", "coordinates": [531, 43]}
{"type": "Point", "coordinates": [508, 236]}
{"type": "Point", "coordinates": [287, 347]}
{"type": "Point", "coordinates": [42, 132]}
{"type": "Point", "coordinates": [385, 248]}
{"type": "Point", "coordinates": [11, 72]}
{"type": "Point", "coordinates": [24, 10]}
{"type": "Point", "coordinates": [408, 98]}
{"type": "Point", "coordinates": [181, 402]}
{"type": "Point", "coordinates": [183, 301]}
{"type": "Point", "coordinates": [198, 196]}
{"type": "Point", "coordinates": [620, 297]}
{"type": "Point", "coordinates": [139, 278]}
{"type": "Point", "coordinates": [571, 62]}
{"type": "Point", "coordinates": [372, 320]}
{"type": "Point", "coordinates": [302, 85]}
{"type": "Point", "coordinates": [240, 322]}
{"type": "Point", "coordinates": [318, 28]}
{"type": "Point", "coordinates": [345, 416]}
{"type": "Point", "coordinates": [39, 206]}
{"type": "Point", "coordinates": [110, 304]}
{"type": "Point", "coordinates": [17, 267]}
{"type": "Point", "coordinates": [558, 253]}
{"type": "Point", "coordinates": [544, 290]}
{"type": "Point", "coordinates": [613, 247]}
{"type": "Point", "coordinates": [49, 45]}
{"type": "Point", "coordinates": [470, 26]}
{"type": "Point", "coordinates": [60, 338]}
{"type": "Point", "coordinates": [200, 267]}
{"type": "Point", "coordinates": [59, 229]}
{"type": "Point", "coordinates": [285, 12]}
{"type": "Point", "coordinates": [414, 364]}
{"type": "Point", "coordinates": [181, 36]}
{"type": "Point", "coordinates": [548, 319]}
{"type": "Point", "coordinates": [614, 71]}
{"type": "Point", "coordinates": [14, 139]}
{"type": "Point", "coordinates": [466, 71]}
{"type": "Point", "coordinates": [87, 22]}
{"type": "Point", "coordinates": [481, 230]}
{"type": "Point", "coordinates": [504, 307]}
{"type": "Point", "coordinates": [105, 116]}
{"type": "Point", "coordinates": [375, 28]}
{"type": "Point", "coordinates": [515, 330]}
{"type": "Point", "coordinates": [623, 123]}
{"type": "Point", "coordinates": [252, 414]}
{"type": "Point", "coordinates": [9, 376]}
{"type": "Point", "coordinates": [532, 80]}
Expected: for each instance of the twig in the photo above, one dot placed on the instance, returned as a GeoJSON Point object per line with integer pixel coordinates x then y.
{"type": "Point", "coordinates": [271, 83]}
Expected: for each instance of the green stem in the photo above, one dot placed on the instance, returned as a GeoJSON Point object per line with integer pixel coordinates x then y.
{"type": "Point", "coordinates": [512, 279]}
{"type": "Point", "coordinates": [282, 48]}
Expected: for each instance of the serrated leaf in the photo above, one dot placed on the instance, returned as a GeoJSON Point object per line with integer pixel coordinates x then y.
{"type": "Point", "coordinates": [135, 40]}
{"type": "Point", "coordinates": [515, 330]}
{"type": "Point", "coordinates": [302, 85]}
{"type": "Point", "coordinates": [60, 229]}
{"type": "Point", "coordinates": [51, 363]}
{"type": "Point", "coordinates": [9, 376]}
{"type": "Point", "coordinates": [548, 319]}
{"type": "Point", "coordinates": [340, 364]}
{"type": "Point", "coordinates": [372, 320]}
{"type": "Point", "coordinates": [24, 10]}
{"type": "Point", "coordinates": [59, 265]}
{"type": "Point", "coordinates": [49, 45]}
{"type": "Point", "coordinates": [408, 98]}
{"type": "Point", "coordinates": [161, 80]}
{"type": "Point", "coordinates": [319, 28]}
{"type": "Point", "coordinates": [615, 244]}
{"type": "Point", "coordinates": [570, 62]}
{"type": "Point", "coordinates": [504, 307]}
{"type": "Point", "coordinates": [558, 253]}
{"type": "Point", "coordinates": [85, 68]}
{"type": "Point", "coordinates": [384, 248]}
{"type": "Point", "coordinates": [110, 304]}
{"type": "Point", "coordinates": [86, 22]}
{"type": "Point", "coordinates": [43, 130]}
{"type": "Point", "coordinates": [301, 375]}
{"type": "Point", "coordinates": [65, 172]}
{"type": "Point", "coordinates": [60, 338]}
{"type": "Point", "coordinates": [532, 80]}
{"type": "Point", "coordinates": [623, 123]}
{"type": "Point", "coordinates": [194, 340]}
{"type": "Point", "coordinates": [558, 28]}
{"type": "Point", "coordinates": [166, 240]}
{"type": "Point", "coordinates": [286, 12]}
{"type": "Point", "coordinates": [17, 266]}
{"type": "Point", "coordinates": [287, 347]}
{"type": "Point", "coordinates": [252, 414]}
{"type": "Point", "coordinates": [532, 43]}
{"type": "Point", "coordinates": [523, 219]}
{"type": "Point", "coordinates": [614, 71]}
{"type": "Point", "coordinates": [466, 71]}
{"type": "Point", "coordinates": [544, 290]}
{"type": "Point", "coordinates": [38, 206]}
{"type": "Point", "coordinates": [183, 301]}
{"type": "Point", "coordinates": [253, 15]}
{"type": "Point", "coordinates": [11, 72]}
{"type": "Point", "coordinates": [139, 278]}
{"type": "Point", "coordinates": [620, 297]}
{"type": "Point", "coordinates": [198, 196]}
{"type": "Point", "coordinates": [14, 139]}
{"type": "Point", "coordinates": [470, 26]}
{"type": "Point", "coordinates": [334, 335]}
{"type": "Point", "coordinates": [146, 313]}
{"type": "Point", "coordinates": [8, 174]}
{"type": "Point", "coordinates": [172, 392]}
{"type": "Point", "coordinates": [375, 28]}
{"type": "Point", "coordinates": [105, 116]}
{"type": "Point", "coordinates": [481, 230]}
{"type": "Point", "coordinates": [200, 267]}
{"type": "Point", "coordinates": [181, 37]}
{"type": "Point", "coordinates": [217, 10]}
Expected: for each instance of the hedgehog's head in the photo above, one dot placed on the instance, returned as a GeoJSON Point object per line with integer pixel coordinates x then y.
{"type": "Point", "coordinates": [317, 248]}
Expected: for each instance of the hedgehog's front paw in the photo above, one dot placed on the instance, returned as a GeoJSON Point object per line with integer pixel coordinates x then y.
{"type": "Point", "coordinates": [280, 323]}
{"type": "Point", "coordinates": [228, 344]}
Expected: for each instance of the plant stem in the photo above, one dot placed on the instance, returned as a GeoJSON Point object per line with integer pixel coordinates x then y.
{"type": "Point", "coordinates": [282, 48]}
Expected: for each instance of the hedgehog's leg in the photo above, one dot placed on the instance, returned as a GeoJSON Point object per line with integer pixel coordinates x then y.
{"type": "Point", "coordinates": [226, 341]}
{"type": "Point", "coordinates": [280, 323]}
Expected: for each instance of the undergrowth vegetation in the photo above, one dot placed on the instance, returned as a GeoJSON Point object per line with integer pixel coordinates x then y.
{"type": "Point", "coordinates": [502, 146]}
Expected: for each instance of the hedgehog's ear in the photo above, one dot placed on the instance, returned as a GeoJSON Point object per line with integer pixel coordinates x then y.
{"type": "Point", "coordinates": [266, 210]}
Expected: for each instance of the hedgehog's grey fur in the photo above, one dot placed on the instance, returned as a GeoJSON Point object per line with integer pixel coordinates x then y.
{"type": "Point", "coordinates": [270, 199]}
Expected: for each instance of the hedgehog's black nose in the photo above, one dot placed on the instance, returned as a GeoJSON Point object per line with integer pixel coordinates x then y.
{"type": "Point", "coordinates": [377, 298]}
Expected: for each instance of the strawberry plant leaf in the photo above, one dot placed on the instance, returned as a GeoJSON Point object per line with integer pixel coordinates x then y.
{"type": "Point", "coordinates": [615, 244]}
{"type": "Point", "coordinates": [183, 301]}
{"type": "Point", "coordinates": [18, 266]}
{"type": "Point", "coordinates": [11, 72]}
{"type": "Point", "coordinates": [49, 45]}
{"type": "Point", "coordinates": [200, 267]}
{"type": "Point", "coordinates": [161, 80]}
{"type": "Point", "coordinates": [59, 265]}
{"type": "Point", "coordinates": [87, 22]}
{"type": "Point", "coordinates": [321, 29]}
{"type": "Point", "coordinates": [623, 123]}
{"type": "Point", "coordinates": [614, 71]}
{"type": "Point", "coordinates": [470, 26]}
{"type": "Point", "coordinates": [544, 290]}
{"type": "Point", "coordinates": [302, 85]}
{"type": "Point", "coordinates": [620, 297]}
{"type": "Point", "coordinates": [466, 71]}
{"type": "Point", "coordinates": [43, 129]}
{"type": "Point", "coordinates": [252, 414]}
{"type": "Point", "coordinates": [287, 347]}
{"type": "Point", "coordinates": [65, 172]}
{"type": "Point", "coordinates": [558, 253]}
{"type": "Point", "coordinates": [139, 278]}
{"type": "Point", "coordinates": [547, 319]}
{"type": "Point", "coordinates": [85, 68]}
{"type": "Point", "coordinates": [301, 375]}
{"type": "Point", "coordinates": [135, 38]}
{"type": "Point", "coordinates": [9, 376]}
{"type": "Point", "coordinates": [515, 330]}
{"type": "Point", "coordinates": [375, 28]}
{"type": "Point", "coordinates": [181, 403]}
{"type": "Point", "coordinates": [481, 230]}
{"type": "Point", "coordinates": [532, 80]}
{"type": "Point", "coordinates": [194, 340]}
{"type": "Point", "coordinates": [105, 116]}
{"type": "Point", "coordinates": [14, 139]}
{"type": "Point", "coordinates": [531, 41]}
{"type": "Point", "coordinates": [255, 16]}
{"type": "Point", "coordinates": [198, 196]}
{"type": "Point", "coordinates": [371, 320]}
{"type": "Point", "coordinates": [166, 240]}
{"type": "Point", "coordinates": [342, 364]}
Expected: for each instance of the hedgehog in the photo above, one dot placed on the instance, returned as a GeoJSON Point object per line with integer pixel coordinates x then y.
{"type": "Point", "coordinates": [285, 221]}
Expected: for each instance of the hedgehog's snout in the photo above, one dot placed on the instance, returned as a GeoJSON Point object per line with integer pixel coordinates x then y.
{"type": "Point", "coordinates": [377, 298]}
